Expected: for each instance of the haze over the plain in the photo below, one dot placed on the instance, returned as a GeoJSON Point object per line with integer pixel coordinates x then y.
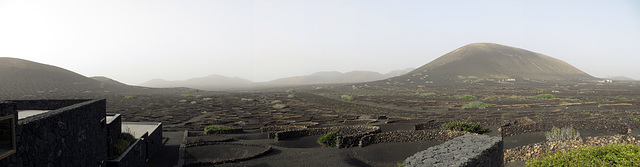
{"type": "Point", "coordinates": [135, 41]}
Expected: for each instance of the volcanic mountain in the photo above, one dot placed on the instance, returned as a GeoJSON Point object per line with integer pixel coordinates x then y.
{"type": "Point", "coordinates": [20, 78]}
{"type": "Point", "coordinates": [493, 63]}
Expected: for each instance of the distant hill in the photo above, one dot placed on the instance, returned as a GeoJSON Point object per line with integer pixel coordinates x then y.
{"type": "Point", "coordinates": [329, 77]}
{"type": "Point", "coordinates": [212, 82]}
{"type": "Point", "coordinates": [219, 82]}
{"type": "Point", "coordinates": [492, 63]}
{"type": "Point", "coordinates": [396, 73]}
{"type": "Point", "coordinates": [620, 78]}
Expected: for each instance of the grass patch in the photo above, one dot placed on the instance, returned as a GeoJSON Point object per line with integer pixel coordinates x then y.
{"type": "Point", "coordinates": [562, 134]}
{"type": "Point", "coordinates": [348, 98]}
{"type": "Point", "coordinates": [186, 95]}
{"type": "Point", "coordinates": [477, 104]}
{"type": "Point", "coordinates": [472, 127]}
{"type": "Point", "coordinates": [279, 106]}
{"type": "Point", "coordinates": [430, 94]}
{"type": "Point", "coordinates": [467, 97]}
{"type": "Point", "coordinates": [121, 145]}
{"type": "Point", "coordinates": [129, 97]}
{"type": "Point", "coordinates": [607, 155]}
{"type": "Point", "coordinates": [545, 96]}
{"type": "Point", "coordinates": [329, 139]}
{"type": "Point", "coordinates": [215, 128]}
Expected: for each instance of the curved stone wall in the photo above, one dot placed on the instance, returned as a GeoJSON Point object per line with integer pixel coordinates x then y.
{"type": "Point", "coordinates": [511, 130]}
{"type": "Point", "coordinates": [409, 136]}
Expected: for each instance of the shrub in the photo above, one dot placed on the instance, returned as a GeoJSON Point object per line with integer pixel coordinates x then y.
{"type": "Point", "coordinates": [347, 98]}
{"type": "Point", "coordinates": [467, 97]}
{"type": "Point", "coordinates": [215, 128]}
{"type": "Point", "coordinates": [121, 145]}
{"type": "Point", "coordinates": [545, 96]}
{"type": "Point", "coordinates": [400, 164]}
{"type": "Point", "coordinates": [477, 104]}
{"type": "Point", "coordinates": [279, 106]}
{"type": "Point", "coordinates": [329, 139]}
{"type": "Point", "coordinates": [607, 155]}
{"type": "Point", "coordinates": [129, 97]}
{"type": "Point", "coordinates": [464, 126]}
{"type": "Point", "coordinates": [562, 134]}
{"type": "Point", "coordinates": [186, 95]}
{"type": "Point", "coordinates": [430, 94]}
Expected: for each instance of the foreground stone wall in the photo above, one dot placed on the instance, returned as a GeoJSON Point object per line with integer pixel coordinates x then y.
{"type": "Point", "coordinates": [114, 128]}
{"type": "Point", "coordinates": [134, 156]}
{"type": "Point", "coordinates": [53, 138]}
{"type": "Point", "coordinates": [467, 150]}
{"type": "Point", "coordinates": [410, 136]}
{"type": "Point", "coordinates": [511, 130]}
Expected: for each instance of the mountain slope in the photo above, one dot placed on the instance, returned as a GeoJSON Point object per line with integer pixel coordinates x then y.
{"type": "Point", "coordinates": [18, 74]}
{"type": "Point", "coordinates": [488, 62]}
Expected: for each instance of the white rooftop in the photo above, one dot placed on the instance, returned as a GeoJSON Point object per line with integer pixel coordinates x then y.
{"type": "Point", "coordinates": [137, 129]}
{"type": "Point", "coordinates": [27, 113]}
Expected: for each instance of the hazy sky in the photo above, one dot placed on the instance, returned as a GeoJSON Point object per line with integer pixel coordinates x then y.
{"type": "Point", "coordinates": [135, 41]}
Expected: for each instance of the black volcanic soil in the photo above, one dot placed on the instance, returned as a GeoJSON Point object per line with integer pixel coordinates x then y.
{"type": "Point", "coordinates": [187, 109]}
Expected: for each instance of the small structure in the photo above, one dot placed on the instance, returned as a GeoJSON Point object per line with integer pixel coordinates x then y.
{"type": "Point", "coordinates": [65, 133]}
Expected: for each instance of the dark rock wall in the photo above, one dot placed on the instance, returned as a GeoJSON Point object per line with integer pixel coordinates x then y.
{"type": "Point", "coordinates": [154, 142]}
{"type": "Point", "coordinates": [511, 130]}
{"type": "Point", "coordinates": [468, 150]}
{"type": "Point", "coordinates": [134, 156]}
{"type": "Point", "coordinates": [410, 136]}
{"type": "Point", "coordinates": [114, 128]}
{"type": "Point", "coordinates": [73, 135]}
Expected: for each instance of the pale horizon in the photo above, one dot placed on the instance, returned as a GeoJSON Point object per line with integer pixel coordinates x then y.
{"type": "Point", "coordinates": [136, 41]}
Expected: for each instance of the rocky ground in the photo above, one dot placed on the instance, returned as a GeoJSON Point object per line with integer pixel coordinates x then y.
{"type": "Point", "coordinates": [321, 106]}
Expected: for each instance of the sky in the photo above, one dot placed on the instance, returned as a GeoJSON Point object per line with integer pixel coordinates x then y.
{"type": "Point", "coordinates": [262, 40]}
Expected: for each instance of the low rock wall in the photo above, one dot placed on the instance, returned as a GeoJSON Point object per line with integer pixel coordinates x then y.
{"type": "Point", "coordinates": [467, 150]}
{"type": "Point", "coordinates": [511, 130]}
{"type": "Point", "coordinates": [409, 136]}
{"type": "Point", "coordinates": [278, 128]}
{"type": "Point", "coordinates": [226, 131]}
{"type": "Point", "coordinates": [345, 130]}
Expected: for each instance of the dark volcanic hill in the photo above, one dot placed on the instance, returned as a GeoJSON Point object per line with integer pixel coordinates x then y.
{"type": "Point", "coordinates": [493, 63]}
{"type": "Point", "coordinates": [22, 78]}
{"type": "Point", "coordinates": [18, 74]}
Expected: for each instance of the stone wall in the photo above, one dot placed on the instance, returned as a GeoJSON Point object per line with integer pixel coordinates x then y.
{"type": "Point", "coordinates": [467, 150]}
{"type": "Point", "coordinates": [71, 134]}
{"type": "Point", "coordinates": [511, 130]}
{"type": "Point", "coordinates": [410, 136]}
{"type": "Point", "coordinates": [134, 156]}
{"type": "Point", "coordinates": [277, 128]}
{"type": "Point", "coordinates": [7, 108]}
{"type": "Point", "coordinates": [7, 129]}
{"type": "Point", "coordinates": [345, 130]}
{"type": "Point", "coordinates": [225, 131]}
{"type": "Point", "coordinates": [154, 141]}
{"type": "Point", "coordinates": [114, 127]}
